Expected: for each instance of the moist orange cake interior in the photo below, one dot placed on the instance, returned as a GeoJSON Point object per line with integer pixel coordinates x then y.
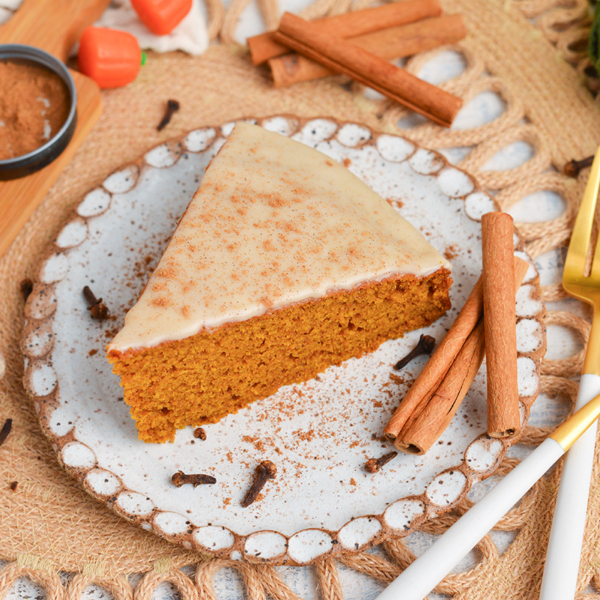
{"type": "Point", "coordinates": [283, 264]}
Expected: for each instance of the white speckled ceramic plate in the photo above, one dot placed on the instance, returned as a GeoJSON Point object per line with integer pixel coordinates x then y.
{"type": "Point", "coordinates": [319, 433]}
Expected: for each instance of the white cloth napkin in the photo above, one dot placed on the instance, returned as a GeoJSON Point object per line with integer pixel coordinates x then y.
{"type": "Point", "coordinates": [189, 36]}
{"type": "Point", "coordinates": [7, 7]}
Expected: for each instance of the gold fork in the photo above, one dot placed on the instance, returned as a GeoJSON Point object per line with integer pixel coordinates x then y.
{"type": "Point", "coordinates": [566, 537]}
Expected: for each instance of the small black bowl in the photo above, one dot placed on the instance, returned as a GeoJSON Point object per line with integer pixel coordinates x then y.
{"type": "Point", "coordinates": [20, 166]}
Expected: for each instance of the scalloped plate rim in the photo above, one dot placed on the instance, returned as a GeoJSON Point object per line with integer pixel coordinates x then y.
{"type": "Point", "coordinates": [236, 549]}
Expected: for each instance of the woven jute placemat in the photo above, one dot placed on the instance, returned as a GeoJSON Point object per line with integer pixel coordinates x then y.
{"type": "Point", "coordinates": [528, 52]}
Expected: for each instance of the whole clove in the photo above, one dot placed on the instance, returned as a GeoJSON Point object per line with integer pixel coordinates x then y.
{"type": "Point", "coordinates": [264, 471]}
{"type": "Point", "coordinates": [574, 167]}
{"type": "Point", "coordinates": [172, 108]}
{"type": "Point", "coordinates": [199, 433]}
{"type": "Point", "coordinates": [13, 486]}
{"type": "Point", "coordinates": [180, 478]}
{"type": "Point", "coordinates": [96, 307]}
{"type": "Point", "coordinates": [26, 287]}
{"type": "Point", "coordinates": [425, 345]}
{"type": "Point", "coordinates": [373, 465]}
{"type": "Point", "coordinates": [5, 430]}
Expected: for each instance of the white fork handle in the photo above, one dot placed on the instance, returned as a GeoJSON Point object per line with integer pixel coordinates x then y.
{"type": "Point", "coordinates": [415, 582]}
{"type": "Point", "coordinates": [566, 537]}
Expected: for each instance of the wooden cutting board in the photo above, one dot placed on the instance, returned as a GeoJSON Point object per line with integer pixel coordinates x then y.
{"type": "Point", "coordinates": [53, 26]}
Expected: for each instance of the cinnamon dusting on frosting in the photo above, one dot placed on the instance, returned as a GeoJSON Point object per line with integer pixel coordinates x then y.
{"type": "Point", "coordinates": [273, 223]}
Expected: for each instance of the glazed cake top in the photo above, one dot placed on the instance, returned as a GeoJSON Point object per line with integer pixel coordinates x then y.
{"type": "Point", "coordinates": [274, 222]}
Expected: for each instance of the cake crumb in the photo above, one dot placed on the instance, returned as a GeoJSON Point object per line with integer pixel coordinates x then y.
{"type": "Point", "coordinates": [397, 204]}
{"type": "Point", "coordinates": [258, 444]}
{"type": "Point", "coordinates": [305, 436]}
{"type": "Point", "coordinates": [450, 252]}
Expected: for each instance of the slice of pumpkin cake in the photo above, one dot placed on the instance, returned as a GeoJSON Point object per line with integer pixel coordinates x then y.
{"type": "Point", "coordinates": [283, 264]}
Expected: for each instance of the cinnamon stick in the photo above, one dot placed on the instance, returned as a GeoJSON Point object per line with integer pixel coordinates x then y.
{"type": "Point", "coordinates": [344, 57]}
{"type": "Point", "coordinates": [394, 42]}
{"type": "Point", "coordinates": [264, 46]}
{"type": "Point", "coordinates": [504, 418]}
{"type": "Point", "coordinates": [426, 427]}
{"type": "Point", "coordinates": [432, 401]}
{"type": "Point", "coordinates": [439, 363]}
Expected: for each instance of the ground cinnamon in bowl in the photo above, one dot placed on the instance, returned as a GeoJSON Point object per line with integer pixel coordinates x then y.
{"type": "Point", "coordinates": [34, 105]}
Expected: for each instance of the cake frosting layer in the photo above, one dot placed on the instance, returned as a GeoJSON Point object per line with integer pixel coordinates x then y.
{"type": "Point", "coordinates": [273, 223]}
